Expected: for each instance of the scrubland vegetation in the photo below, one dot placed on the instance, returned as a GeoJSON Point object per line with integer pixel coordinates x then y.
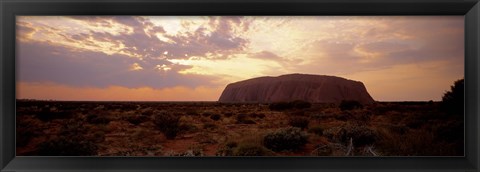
{"type": "Point", "coordinates": [242, 129]}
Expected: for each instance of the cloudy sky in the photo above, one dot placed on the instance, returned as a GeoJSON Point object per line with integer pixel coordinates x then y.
{"type": "Point", "coordinates": [192, 58]}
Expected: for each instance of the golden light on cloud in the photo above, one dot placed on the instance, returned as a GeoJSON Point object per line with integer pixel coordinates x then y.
{"type": "Point", "coordinates": [229, 68]}
{"type": "Point", "coordinates": [162, 67]}
{"type": "Point", "coordinates": [136, 66]}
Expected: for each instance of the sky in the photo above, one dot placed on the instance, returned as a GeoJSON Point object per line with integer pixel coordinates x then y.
{"type": "Point", "coordinates": [193, 58]}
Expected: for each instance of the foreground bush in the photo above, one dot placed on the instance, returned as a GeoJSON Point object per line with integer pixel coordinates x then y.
{"type": "Point", "coordinates": [453, 100]}
{"type": "Point", "coordinates": [226, 149]}
{"type": "Point", "coordinates": [251, 150]}
{"type": "Point", "coordinates": [168, 124]}
{"type": "Point", "coordinates": [361, 135]}
{"type": "Point", "coordinates": [192, 151]}
{"type": "Point", "coordinates": [71, 140]}
{"type": "Point", "coordinates": [243, 149]}
{"type": "Point", "coordinates": [67, 146]}
{"type": "Point", "coordinates": [24, 135]}
{"type": "Point", "coordinates": [290, 138]}
{"type": "Point", "coordinates": [316, 130]}
{"type": "Point", "coordinates": [26, 129]}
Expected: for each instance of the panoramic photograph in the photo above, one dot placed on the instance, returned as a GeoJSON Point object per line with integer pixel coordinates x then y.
{"type": "Point", "coordinates": [240, 86]}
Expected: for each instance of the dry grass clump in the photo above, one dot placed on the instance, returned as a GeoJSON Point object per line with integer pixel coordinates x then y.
{"type": "Point", "coordinates": [228, 114]}
{"type": "Point", "coordinates": [97, 119]}
{"type": "Point", "coordinates": [257, 115]}
{"type": "Point", "coordinates": [244, 119]}
{"type": "Point", "coordinates": [67, 146]}
{"type": "Point", "coordinates": [27, 129]}
{"type": "Point", "coordinates": [215, 117]}
{"type": "Point", "coordinates": [290, 138]}
{"type": "Point", "coordinates": [361, 135]}
{"type": "Point", "coordinates": [168, 124]}
{"type": "Point", "coordinates": [194, 150]}
{"type": "Point", "coordinates": [243, 148]}
{"type": "Point", "coordinates": [209, 126]}
{"type": "Point", "coordinates": [249, 149]}
{"type": "Point", "coordinates": [318, 130]}
{"type": "Point", "coordinates": [70, 141]}
{"type": "Point", "coordinates": [137, 119]}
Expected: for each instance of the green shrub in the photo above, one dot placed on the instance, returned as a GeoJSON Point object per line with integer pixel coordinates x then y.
{"type": "Point", "coordinates": [168, 124]}
{"type": "Point", "coordinates": [299, 122]}
{"type": "Point", "coordinates": [215, 117]}
{"type": "Point", "coordinates": [248, 121]}
{"type": "Point", "coordinates": [290, 138]}
{"type": "Point", "coordinates": [231, 144]}
{"type": "Point", "coordinates": [67, 146]}
{"type": "Point", "coordinates": [228, 114]}
{"type": "Point", "coordinates": [192, 152]}
{"type": "Point", "coordinates": [257, 115]}
{"type": "Point", "coordinates": [316, 130]}
{"type": "Point", "coordinates": [249, 149]}
{"type": "Point", "coordinates": [209, 126]}
{"type": "Point", "coordinates": [342, 117]}
{"type": "Point", "coordinates": [95, 119]}
{"type": "Point", "coordinates": [185, 127]}
{"type": "Point", "coordinates": [148, 112]}
{"type": "Point", "coordinates": [137, 119]}
{"type": "Point", "coordinates": [206, 114]}
{"type": "Point", "coordinates": [350, 105]}
{"type": "Point", "coordinates": [192, 112]}
{"type": "Point", "coordinates": [24, 135]}
{"type": "Point", "coordinates": [73, 128]}
{"type": "Point", "coordinates": [227, 149]}
{"type": "Point", "coordinates": [26, 129]}
{"type": "Point", "coordinates": [99, 136]}
{"type": "Point", "coordinates": [243, 119]}
{"type": "Point", "coordinates": [361, 135]}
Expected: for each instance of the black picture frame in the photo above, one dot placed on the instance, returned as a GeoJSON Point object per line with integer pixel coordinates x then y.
{"type": "Point", "coordinates": [11, 8]}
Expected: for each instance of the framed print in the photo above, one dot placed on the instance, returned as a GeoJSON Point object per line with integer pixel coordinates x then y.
{"type": "Point", "coordinates": [250, 86]}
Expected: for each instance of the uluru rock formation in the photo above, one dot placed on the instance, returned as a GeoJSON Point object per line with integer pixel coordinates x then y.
{"type": "Point", "coordinates": [311, 88]}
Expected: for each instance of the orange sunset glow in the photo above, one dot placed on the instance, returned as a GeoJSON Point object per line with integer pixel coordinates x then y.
{"type": "Point", "coordinates": [193, 58]}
